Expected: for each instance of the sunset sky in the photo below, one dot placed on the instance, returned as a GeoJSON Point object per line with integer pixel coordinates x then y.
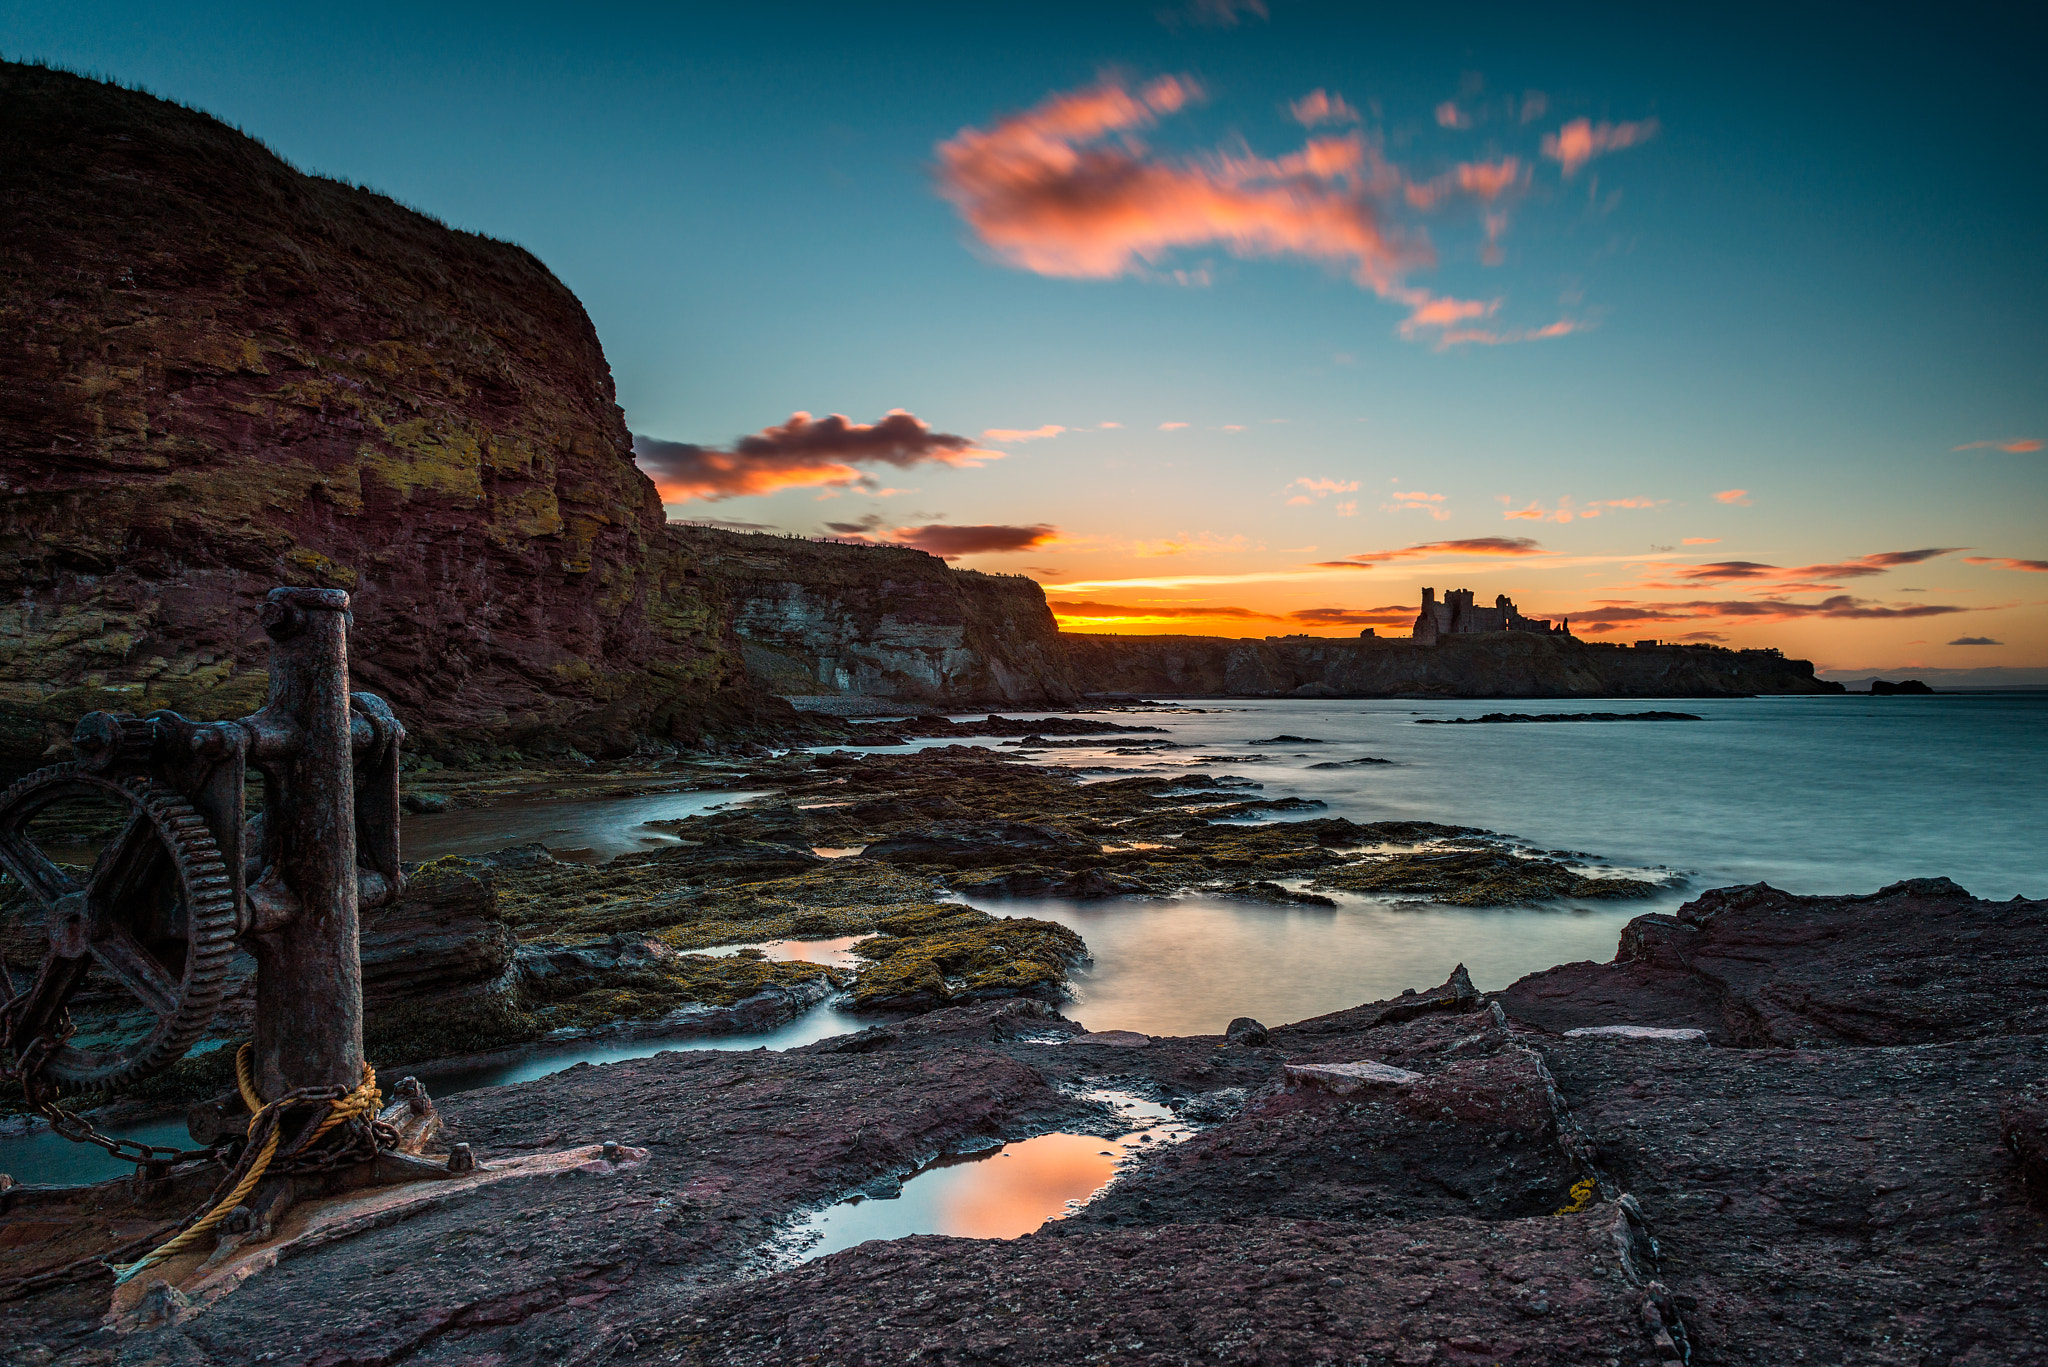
{"type": "Point", "coordinates": [1251, 318]}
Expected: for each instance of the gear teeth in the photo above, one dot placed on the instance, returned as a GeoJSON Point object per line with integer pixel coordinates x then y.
{"type": "Point", "coordinates": [210, 914]}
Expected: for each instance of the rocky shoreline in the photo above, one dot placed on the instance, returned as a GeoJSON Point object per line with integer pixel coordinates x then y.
{"type": "Point", "coordinates": [1798, 1160]}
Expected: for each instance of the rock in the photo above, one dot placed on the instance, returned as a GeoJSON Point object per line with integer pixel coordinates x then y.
{"type": "Point", "coordinates": [1636, 1032]}
{"type": "Point", "coordinates": [1345, 1078]}
{"type": "Point", "coordinates": [1478, 878]}
{"type": "Point", "coordinates": [1500, 717]}
{"type": "Point", "coordinates": [2023, 1126]}
{"type": "Point", "coordinates": [1882, 688]}
{"type": "Point", "coordinates": [1112, 1039]}
{"type": "Point", "coordinates": [1246, 1031]}
{"type": "Point", "coordinates": [1918, 962]}
{"type": "Point", "coordinates": [979, 845]}
{"type": "Point", "coordinates": [426, 803]}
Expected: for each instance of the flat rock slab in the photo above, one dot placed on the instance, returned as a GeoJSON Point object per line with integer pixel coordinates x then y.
{"type": "Point", "coordinates": [1541, 1292]}
{"type": "Point", "coordinates": [1113, 1039]}
{"type": "Point", "coordinates": [1342, 1078]}
{"type": "Point", "coordinates": [1637, 1032]}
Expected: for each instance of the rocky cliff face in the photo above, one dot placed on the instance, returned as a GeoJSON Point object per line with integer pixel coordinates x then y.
{"type": "Point", "coordinates": [1495, 665]}
{"type": "Point", "coordinates": [218, 374]}
{"type": "Point", "coordinates": [826, 618]}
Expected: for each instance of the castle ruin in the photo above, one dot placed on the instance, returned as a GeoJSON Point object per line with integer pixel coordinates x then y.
{"type": "Point", "coordinates": [1456, 616]}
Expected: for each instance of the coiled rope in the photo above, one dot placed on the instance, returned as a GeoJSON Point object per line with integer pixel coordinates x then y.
{"type": "Point", "coordinates": [257, 1156]}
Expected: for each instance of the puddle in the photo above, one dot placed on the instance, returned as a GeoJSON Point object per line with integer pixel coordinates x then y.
{"type": "Point", "coordinates": [1000, 1193]}
{"type": "Point", "coordinates": [835, 953]}
{"type": "Point", "coordinates": [588, 832]}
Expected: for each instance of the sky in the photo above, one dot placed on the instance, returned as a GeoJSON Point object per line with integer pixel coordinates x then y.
{"type": "Point", "coordinates": [1254, 317]}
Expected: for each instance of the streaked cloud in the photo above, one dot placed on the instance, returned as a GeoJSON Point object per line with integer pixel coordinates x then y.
{"type": "Point", "coordinates": [2004, 562]}
{"type": "Point", "coordinates": [1471, 545]}
{"type": "Point", "coordinates": [1739, 497]}
{"type": "Point", "coordinates": [804, 451]}
{"type": "Point", "coordinates": [1581, 140]}
{"type": "Point", "coordinates": [1480, 180]}
{"type": "Point", "coordinates": [949, 541]}
{"type": "Point", "coordinates": [1702, 541]}
{"type": "Point", "coordinates": [2016, 445]}
{"type": "Point", "coordinates": [1616, 614]}
{"type": "Point", "coordinates": [1320, 107]}
{"type": "Point", "coordinates": [1392, 615]}
{"type": "Point", "coordinates": [1072, 610]}
{"type": "Point", "coordinates": [1013, 434]}
{"type": "Point", "coordinates": [1313, 489]}
{"type": "Point", "coordinates": [1171, 426]}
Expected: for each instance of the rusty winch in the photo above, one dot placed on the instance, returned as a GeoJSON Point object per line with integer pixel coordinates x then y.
{"type": "Point", "coordinates": [146, 938]}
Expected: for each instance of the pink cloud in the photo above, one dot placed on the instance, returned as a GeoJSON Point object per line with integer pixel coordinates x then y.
{"type": "Point", "coordinates": [1487, 337]}
{"type": "Point", "coordinates": [1481, 180]}
{"type": "Point", "coordinates": [1318, 107]}
{"type": "Point", "coordinates": [1736, 496]}
{"type": "Point", "coordinates": [1012, 434]}
{"type": "Point", "coordinates": [1448, 115]}
{"type": "Point", "coordinates": [1804, 578]}
{"type": "Point", "coordinates": [1581, 140]}
{"type": "Point", "coordinates": [2017, 445]}
{"type": "Point", "coordinates": [1048, 190]}
{"type": "Point", "coordinates": [803, 451]}
{"type": "Point", "coordinates": [1535, 104]}
{"type": "Point", "coordinates": [1320, 488]}
{"type": "Point", "coordinates": [2037, 566]}
{"type": "Point", "coordinates": [1171, 426]}
{"type": "Point", "coordinates": [1417, 502]}
{"type": "Point", "coordinates": [1702, 541]}
{"type": "Point", "coordinates": [1068, 189]}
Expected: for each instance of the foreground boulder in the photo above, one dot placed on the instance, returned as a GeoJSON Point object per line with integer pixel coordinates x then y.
{"type": "Point", "coordinates": [1914, 963]}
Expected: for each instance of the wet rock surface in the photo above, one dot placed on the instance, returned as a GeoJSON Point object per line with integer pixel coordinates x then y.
{"type": "Point", "coordinates": [1486, 1192]}
{"type": "Point", "coordinates": [1920, 961]}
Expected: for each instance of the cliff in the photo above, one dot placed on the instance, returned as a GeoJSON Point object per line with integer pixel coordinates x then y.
{"type": "Point", "coordinates": [218, 374]}
{"type": "Point", "coordinates": [828, 618]}
{"type": "Point", "coordinates": [1505, 664]}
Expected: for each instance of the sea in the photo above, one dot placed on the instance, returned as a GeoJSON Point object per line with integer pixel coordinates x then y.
{"type": "Point", "coordinates": [1818, 795]}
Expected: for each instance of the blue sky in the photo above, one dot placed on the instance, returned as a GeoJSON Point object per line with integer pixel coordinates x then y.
{"type": "Point", "coordinates": [1812, 272]}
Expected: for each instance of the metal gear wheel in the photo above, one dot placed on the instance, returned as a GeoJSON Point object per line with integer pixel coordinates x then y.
{"type": "Point", "coordinates": [153, 920]}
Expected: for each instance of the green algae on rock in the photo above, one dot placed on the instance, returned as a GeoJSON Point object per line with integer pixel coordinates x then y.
{"type": "Point", "coordinates": [1484, 877]}
{"type": "Point", "coordinates": [944, 954]}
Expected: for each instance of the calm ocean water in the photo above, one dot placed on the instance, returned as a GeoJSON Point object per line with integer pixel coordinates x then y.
{"type": "Point", "coordinates": [1815, 795]}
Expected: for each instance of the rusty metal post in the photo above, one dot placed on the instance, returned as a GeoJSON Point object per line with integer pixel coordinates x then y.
{"type": "Point", "coordinates": [304, 907]}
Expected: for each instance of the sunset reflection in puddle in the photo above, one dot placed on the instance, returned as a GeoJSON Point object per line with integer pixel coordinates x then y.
{"type": "Point", "coordinates": [999, 1194]}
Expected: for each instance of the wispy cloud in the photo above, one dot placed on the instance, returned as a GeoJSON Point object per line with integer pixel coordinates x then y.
{"type": "Point", "coordinates": [1014, 434]}
{"type": "Point", "coordinates": [1171, 426]}
{"type": "Point", "coordinates": [1448, 115]}
{"type": "Point", "coordinates": [1739, 497]}
{"type": "Point", "coordinates": [1566, 510]}
{"type": "Point", "coordinates": [1187, 542]}
{"type": "Point", "coordinates": [1480, 180]}
{"type": "Point", "coordinates": [1210, 13]}
{"type": "Point", "coordinates": [2004, 562]}
{"type": "Point", "coordinates": [2017, 445]}
{"type": "Point", "coordinates": [1417, 501]}
{"type": "Point", "coordinates": [1581, 140]}
{"type": "Point", "coordinates": [1069, 610]}
{"type": "Point", "coordinates": [801, 452]}
{"type": "Point", "coordinates": [1702, 541]}
{"type": "Point", "coordinates": [1313, 489]}
{"type": "Point", "coordinates": [1320, 107]}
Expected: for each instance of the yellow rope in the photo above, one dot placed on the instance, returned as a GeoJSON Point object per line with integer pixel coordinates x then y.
{"type": "Point", "coordinates": [364, 1100]}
